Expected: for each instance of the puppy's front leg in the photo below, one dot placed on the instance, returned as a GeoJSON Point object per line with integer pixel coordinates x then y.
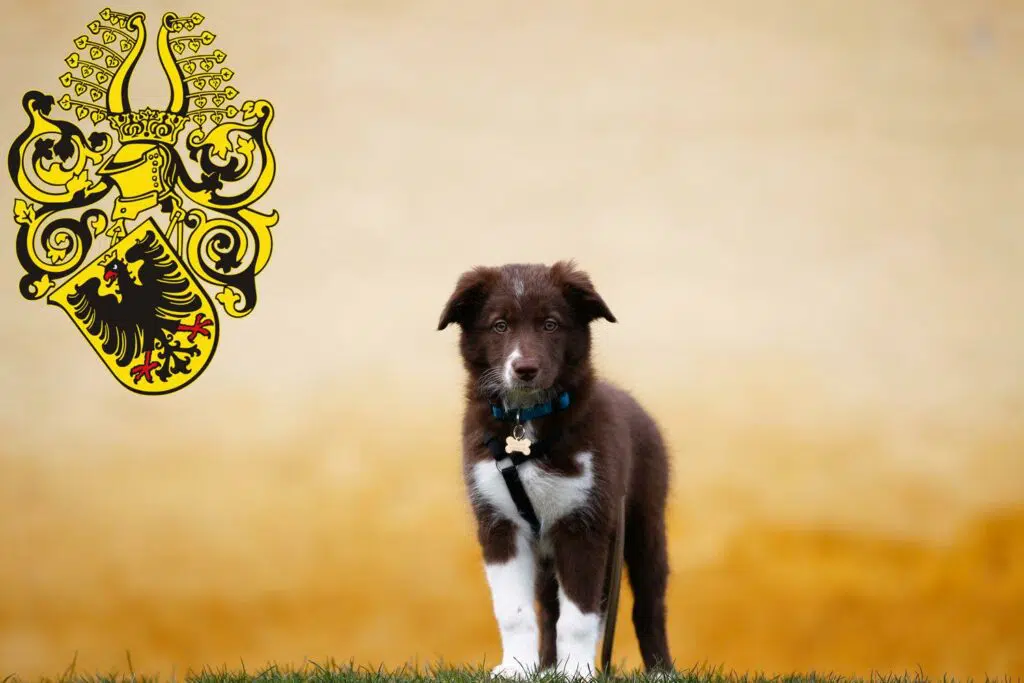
{"type": "Point", "coordinates": [580, 557]}
{"type": "Point", "coordinates": [510, 565]}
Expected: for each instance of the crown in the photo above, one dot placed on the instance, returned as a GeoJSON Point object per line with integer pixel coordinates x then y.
{"type": "Point", "coordinates": [103, 63]}
{"type": "Point", "coordinates": [148, 125]}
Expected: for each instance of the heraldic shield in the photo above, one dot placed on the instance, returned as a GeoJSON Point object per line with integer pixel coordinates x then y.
{"type": "Point", "coordinates": [143, 313]}
{"type": "Point", "coordinates": [125, 235]}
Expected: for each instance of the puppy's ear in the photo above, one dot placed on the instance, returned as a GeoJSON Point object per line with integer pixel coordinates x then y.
{"type": "Point", "coordinates": [580, 293]}
{"type": "Point", "coordinates": [470, 293]}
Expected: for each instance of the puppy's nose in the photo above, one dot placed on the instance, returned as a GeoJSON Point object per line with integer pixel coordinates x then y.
{"type": "Point", "coordinates": [525, 370]}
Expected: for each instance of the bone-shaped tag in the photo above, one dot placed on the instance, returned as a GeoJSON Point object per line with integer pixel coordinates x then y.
{"type": "Point", "coordinates": [513, 445]}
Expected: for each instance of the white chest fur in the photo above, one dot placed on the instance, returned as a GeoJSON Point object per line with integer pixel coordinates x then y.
{"type": "Point", "coordinates": [553, 496]}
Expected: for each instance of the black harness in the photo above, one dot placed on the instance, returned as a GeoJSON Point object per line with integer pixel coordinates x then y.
{"type": "Point", "coordinates": [508, 463]}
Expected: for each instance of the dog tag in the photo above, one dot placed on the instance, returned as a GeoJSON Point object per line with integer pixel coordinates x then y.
{"type": "Point", "coordinates": [513, 445]}
{"type": "Point", "coordinates": [518, 441]}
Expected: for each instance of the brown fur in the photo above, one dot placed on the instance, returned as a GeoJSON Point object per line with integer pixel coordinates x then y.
{"type": "Point", "coordinates": [630, 462]}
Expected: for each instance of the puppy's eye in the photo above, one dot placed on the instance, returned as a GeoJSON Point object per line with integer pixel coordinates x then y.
{"type": "Point", "coordinates": [550, 325]}
{"type": "Point", "coordinates": [500, 326]}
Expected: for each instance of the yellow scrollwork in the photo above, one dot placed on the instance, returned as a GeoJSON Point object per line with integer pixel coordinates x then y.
{"type": "Point", "coordinates": [225, 250]}
{"type": "Point", "coordinates": [60, 156]}
{"type": "Point", "coordinates": [245, 141]}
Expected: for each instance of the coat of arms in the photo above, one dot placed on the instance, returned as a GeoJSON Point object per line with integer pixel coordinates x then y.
{"type": "Point", "coordinates": [129, 272]}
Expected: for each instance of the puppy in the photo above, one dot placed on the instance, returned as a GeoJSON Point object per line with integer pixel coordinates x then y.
{"type": "Point", "coordinates": [538, 420]}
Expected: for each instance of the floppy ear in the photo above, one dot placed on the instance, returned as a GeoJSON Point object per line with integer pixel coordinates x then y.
{"type": "Point", "coordinates": [470, 292]}
{"type": "Point", "coordinates": [580, 293]}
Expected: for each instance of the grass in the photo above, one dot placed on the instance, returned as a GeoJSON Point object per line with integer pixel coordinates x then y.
{"type": "Point", "coordinates": [313, 672]}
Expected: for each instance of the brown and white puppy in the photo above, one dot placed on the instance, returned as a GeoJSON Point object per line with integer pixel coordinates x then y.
{"type": "Point", "coordinates": [525, 338]}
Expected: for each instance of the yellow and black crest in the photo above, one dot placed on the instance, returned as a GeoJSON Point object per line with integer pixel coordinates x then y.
{"type": "Point", "coordinates": [121, 233]}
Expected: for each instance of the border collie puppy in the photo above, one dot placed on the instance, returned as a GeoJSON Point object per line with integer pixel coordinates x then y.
{"type": "Point", "coordinates": [550, 452]}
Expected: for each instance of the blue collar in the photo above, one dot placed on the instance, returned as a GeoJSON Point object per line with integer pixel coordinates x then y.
{"type": "Point", "coordinates": [533, 412]}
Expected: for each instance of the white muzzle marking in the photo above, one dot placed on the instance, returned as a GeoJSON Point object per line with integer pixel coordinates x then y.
{"type": "Point", "coordinates": [509, 374]}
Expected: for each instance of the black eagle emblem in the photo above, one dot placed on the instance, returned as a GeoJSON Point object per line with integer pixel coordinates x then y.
{"type": "Point", "coordinates": [152, 309]}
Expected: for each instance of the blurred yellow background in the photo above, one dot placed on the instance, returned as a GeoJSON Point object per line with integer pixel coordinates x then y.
{"type": "Point", "coordinates": [806, 216]}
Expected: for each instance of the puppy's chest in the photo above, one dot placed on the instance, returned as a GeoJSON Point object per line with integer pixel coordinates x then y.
{"type": "Point", "coordinates": [552, 494]}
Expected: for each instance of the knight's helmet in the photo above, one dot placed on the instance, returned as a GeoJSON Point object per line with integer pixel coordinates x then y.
{"type": "Point", "coordinates": [144, 167]}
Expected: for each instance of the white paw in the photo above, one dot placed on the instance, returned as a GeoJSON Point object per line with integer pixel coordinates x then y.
{"type": "Point", "coordinates": [576, 669]}
{"type": "Point", "coordinates": [511, 670]}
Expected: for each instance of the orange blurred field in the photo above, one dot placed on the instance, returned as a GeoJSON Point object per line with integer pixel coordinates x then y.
{"type": "Point", "coordinates": [188, 559]}
{"type": "Point", "coordinates": [806, 217]}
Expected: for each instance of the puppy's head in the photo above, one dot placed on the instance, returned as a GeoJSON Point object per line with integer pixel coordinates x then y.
{"type": "Point", "coordinates": [525, 328]}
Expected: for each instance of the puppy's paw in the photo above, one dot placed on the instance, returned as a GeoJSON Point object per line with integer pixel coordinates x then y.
{"type": "Point", "coordinates": [576, 669]}
{"type": "Point", "coordinates": [512, 670]}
